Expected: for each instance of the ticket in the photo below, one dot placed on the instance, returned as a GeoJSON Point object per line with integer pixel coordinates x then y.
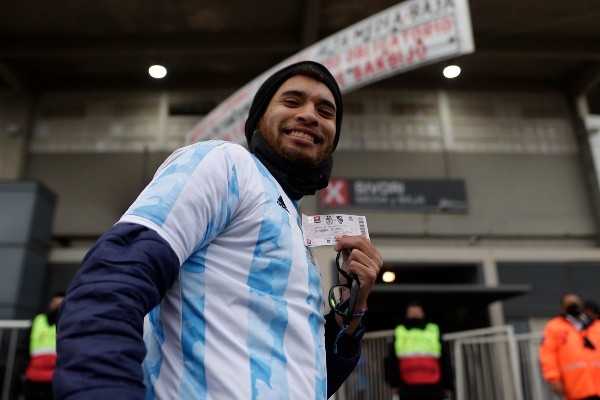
{"type": "Point", "coordinates": [321, 230]}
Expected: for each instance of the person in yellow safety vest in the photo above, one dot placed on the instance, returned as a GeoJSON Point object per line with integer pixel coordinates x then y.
{"type": "Point", "coordinates": [418, 367]}
{"type": "Point", "coordinates": [570, 352]}
{"type": "Point", "coordinates": [42, 352]}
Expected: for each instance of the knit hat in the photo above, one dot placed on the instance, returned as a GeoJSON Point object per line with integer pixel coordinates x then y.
{"type": "Point", "coordinates": [267, 90]}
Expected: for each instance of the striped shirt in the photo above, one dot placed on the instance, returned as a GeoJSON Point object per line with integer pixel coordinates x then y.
{"type": "Point", "coordinates": [244, 319]}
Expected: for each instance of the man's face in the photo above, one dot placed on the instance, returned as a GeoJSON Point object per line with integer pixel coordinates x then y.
{"type": "Point", "coordinates": [571, 299]}
{"type": "Point", "coordinates": [299, 122]}
{"type": "Point", "coordinates": [55, 302]}
{"type": "Point", "coordinates": [415, 312]}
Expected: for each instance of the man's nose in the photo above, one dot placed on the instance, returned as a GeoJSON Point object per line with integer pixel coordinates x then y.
{"type": "Point", "coordinates": [308, 114]}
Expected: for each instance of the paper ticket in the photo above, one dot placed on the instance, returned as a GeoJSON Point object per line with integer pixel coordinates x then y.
{"type": "Point", "coordinates": [321, 230]}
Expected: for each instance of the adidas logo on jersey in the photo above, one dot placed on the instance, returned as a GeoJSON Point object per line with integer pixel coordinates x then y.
{"type": "Point", "coordinates": [282, 204]}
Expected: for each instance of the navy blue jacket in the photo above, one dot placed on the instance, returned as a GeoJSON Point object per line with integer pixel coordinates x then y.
{"type": "Point", "coordinates": [100, 323]}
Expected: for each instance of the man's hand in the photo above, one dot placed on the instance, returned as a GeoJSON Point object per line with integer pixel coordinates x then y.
{"type": "Point", "coordinates": [557, 387]}
{"type": "Point", "coordinates": [362, 259]}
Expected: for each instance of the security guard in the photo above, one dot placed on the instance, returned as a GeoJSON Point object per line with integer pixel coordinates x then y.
{"type": "Point", "coordinates": [418, 368]}
{"type": "Point", "coordinates": [42, 352]}
{"type": "Point", "coordinates": [570, 352]}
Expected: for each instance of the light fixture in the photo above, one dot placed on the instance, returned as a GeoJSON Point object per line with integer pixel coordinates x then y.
{"type": "Point", "coordinates": [157, 71]}
{"type": "Point", "coordinates": [451, 71]}
{"type": "Point", "coordinates": [388, 276]}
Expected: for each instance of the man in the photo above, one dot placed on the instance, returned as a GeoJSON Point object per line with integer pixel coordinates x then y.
{"type": "Point", "coordinates": [570, 352]}
{"type": "Point", "coordinates": [212, 251]}
{"type": "Point", "coordinates": [591, 310]}
{"type": "Point", "coordinates": [42, 352]}
{"type": "Point", "coordinates": [418, 367]}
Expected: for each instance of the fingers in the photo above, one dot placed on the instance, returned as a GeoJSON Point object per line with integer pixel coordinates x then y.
{"type": "Point", "coordinates": [358, 248]}
{"type": "Point", "coordinates": [361, 243]}
{"type": "Point", "coordinates": [362, 259]}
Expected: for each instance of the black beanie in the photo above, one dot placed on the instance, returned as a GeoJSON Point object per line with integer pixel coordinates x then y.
{"type": "Point", "coordinates": [266, 91]}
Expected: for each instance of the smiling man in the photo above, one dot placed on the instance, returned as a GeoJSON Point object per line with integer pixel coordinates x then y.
{"type": "Point", "coordinates": [299, 124]}
{"type": "Point", "coordinates": [209, 263]}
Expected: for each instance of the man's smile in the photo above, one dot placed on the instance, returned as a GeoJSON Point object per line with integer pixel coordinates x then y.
{"type": "Point", "coordinates": [302, 135]}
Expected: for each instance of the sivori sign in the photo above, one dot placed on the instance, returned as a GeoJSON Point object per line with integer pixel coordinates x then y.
{"type": "Point", "coordinates": [419, 195]}
{"type": "Point", "coordinates": [403, 37]}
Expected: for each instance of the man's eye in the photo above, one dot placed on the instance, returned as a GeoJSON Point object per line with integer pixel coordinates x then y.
{"type": "Point", "coordinates": [291, 102]}
{"type": "Point", "coordinates": [327, 113]}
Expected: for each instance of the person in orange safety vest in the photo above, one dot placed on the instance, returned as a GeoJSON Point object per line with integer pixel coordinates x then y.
{"type": "Point", "coordinates": [42, 352]}
{"type": "Point", "coordinates": [570, 352]}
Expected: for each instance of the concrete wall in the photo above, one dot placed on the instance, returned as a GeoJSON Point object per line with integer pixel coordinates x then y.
{"type": "Point", "coordinates": [15, 125]}
{"type": "Point", "coordinates": [93, 189]}
{"type": "Point", "coordinates": [508, 195]}
{"type": "Point", "coordinates": [516, 152]}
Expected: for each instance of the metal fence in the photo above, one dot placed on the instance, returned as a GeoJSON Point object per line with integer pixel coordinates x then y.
{"type": "Point", "coordinates": [486, 364]}
{"type": "Point", "coordinates": [489, 364]}
{"type": "Point", "coordinates": [534, 386]}
{"type": "Point", "coordinates": [9, 335]}
{"type": "Point", "coordinates": [367, 381]}
{"type": "Point", "coordinates": [492, 364]}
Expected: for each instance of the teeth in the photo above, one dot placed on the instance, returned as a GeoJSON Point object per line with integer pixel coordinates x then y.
{"type": "Point", "coordinates": [302, 135]}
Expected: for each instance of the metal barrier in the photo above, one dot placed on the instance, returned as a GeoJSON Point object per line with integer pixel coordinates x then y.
{"type": "Point", "coordinates": [486, 364]}
{"type": "Point", "coordinates": [534, 386]}
{"type": "Point", "coordinates": [491, 363]}
{"type": "Point", "coordinates": [497, 364]}
{"type": "Point", "coordinates": [9, 329]}
{"type": "Point", "coordinates": [367, 381]}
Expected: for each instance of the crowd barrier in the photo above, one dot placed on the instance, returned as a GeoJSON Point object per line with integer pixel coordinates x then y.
{"type": "Point", "coordinates": [9, 335]}
{"type": "Point", "coordinates": [491, 363]}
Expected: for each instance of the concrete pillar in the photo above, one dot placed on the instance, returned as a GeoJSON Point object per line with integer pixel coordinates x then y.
{"type": "Point", "coordinates": [579, 87]}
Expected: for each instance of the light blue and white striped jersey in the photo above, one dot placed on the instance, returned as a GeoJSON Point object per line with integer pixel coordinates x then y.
{"type": "Point", "coordinates": [244, 319]}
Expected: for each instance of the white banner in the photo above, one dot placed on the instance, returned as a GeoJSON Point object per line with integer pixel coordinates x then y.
{"type": "Point", "coordinates": [403, 37]}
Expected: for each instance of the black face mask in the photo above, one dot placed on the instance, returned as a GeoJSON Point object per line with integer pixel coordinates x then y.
{"type": "Point", "coordinates": [295, 179]}
{"type": "Point", "coordinates": [573, 310]}
{"type": "Point", "coordinates": [411, 323]}
{"type": "Point", "coordinates": [51, 316]}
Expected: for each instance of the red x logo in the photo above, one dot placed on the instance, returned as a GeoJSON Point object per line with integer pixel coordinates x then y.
{"type": "Point", "coordinates": [336, 194]}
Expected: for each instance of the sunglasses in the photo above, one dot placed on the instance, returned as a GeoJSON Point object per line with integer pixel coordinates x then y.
{"type": "Point", "coordinates": [343, 296]}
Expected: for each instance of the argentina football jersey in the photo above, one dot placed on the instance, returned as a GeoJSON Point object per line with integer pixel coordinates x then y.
{"type": "Point", "coordinates": [244, 319]}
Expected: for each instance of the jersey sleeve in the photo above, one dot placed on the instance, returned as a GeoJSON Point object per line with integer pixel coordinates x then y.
{"type": "Point", "coordinates": [99, 328]}
{"type": "Point", "coordinates": [192, 196]}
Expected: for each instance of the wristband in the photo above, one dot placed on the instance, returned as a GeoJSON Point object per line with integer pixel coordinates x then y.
{"type": "Point", "coordinates": [361, 312]}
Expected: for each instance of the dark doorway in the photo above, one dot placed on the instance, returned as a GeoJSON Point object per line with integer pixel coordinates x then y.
{"type": "Point", "coordinates": [453, 296]}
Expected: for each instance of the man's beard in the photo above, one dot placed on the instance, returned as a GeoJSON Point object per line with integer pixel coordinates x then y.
{"type": "Point", "coordinates": [294, 155]}
{"type": "Point", "coordinates": [295, 179]}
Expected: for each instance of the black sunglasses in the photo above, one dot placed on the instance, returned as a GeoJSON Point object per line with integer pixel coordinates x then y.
{"type": "Point", "coordinates": [343, 296]}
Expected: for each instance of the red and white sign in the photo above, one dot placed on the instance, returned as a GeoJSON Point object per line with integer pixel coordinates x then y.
{"type": "Point", "coordinates": [403, 37]}
{"type": "Point", "coordinates": [336, 193]}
